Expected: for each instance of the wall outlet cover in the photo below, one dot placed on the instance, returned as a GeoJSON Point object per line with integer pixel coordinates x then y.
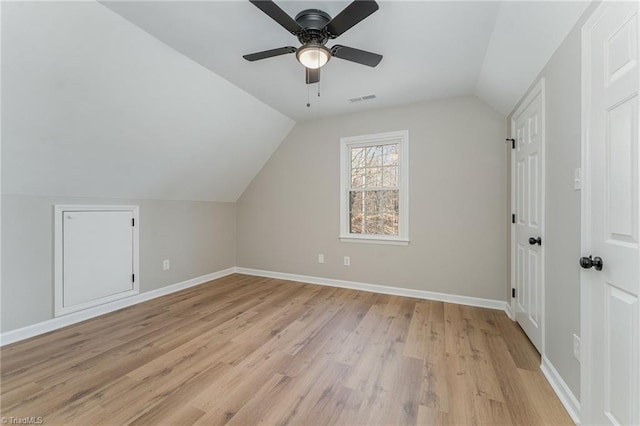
{"type": "Point", "coordinates": [576, 347]}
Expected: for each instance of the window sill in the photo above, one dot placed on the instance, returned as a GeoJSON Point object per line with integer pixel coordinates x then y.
{"type": "Point", "coordinates": [374, 240]}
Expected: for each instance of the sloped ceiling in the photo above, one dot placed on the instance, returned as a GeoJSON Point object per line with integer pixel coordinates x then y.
{"type": "Point", "coordinates": [94, 106]}
{"type": "Point", "coordinates": [152, 99]}
{"type": "Point", "coordinates": [432, 49]}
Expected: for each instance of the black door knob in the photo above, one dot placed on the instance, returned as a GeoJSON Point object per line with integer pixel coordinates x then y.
{"type": "Point", "coordinates": [588, 262]}
{"type": "Point", "coordinates": [535, 240]}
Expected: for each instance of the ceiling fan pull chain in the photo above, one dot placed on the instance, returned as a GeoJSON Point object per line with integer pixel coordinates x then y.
{"type": "Point", "coordinates": [308, 103]}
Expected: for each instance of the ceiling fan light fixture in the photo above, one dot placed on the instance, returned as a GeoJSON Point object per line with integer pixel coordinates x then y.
{"type": "Point", "coordinates": [313, 56]}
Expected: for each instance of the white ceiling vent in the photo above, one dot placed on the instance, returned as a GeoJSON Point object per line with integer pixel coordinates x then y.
{"type": "Point", "coordinates": [363, 98]}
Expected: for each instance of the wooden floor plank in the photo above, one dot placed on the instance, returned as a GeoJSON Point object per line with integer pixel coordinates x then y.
{"type": "Point", "coordinates": [249, 350]}
{"type": "Point", "coordinates": [541, 395]}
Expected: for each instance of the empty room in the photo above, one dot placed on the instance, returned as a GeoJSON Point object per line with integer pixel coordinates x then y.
{"type": "Point", "coordinates": [320, 212]}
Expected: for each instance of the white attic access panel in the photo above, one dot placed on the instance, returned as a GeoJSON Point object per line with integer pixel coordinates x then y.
{"type": "Point", "coordinates": [96, 255]}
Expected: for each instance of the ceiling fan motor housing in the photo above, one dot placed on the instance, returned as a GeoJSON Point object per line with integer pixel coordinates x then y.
{"type": "Point", "coordinates": [314, 22]}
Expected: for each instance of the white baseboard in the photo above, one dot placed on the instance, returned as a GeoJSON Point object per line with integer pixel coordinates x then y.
{"type": "Point", "coordinates": [375, 288]}
{"type": "Point", "coordinates": [568, 399]}
{"type": "Point", "coordinates": [75, 317]}
{"type": "Point", "coordinates": [509, 311]}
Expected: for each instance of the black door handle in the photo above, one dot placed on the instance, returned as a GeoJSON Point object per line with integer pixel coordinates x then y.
{"type": "Point", "coordinates": [588, 262]}
{"type": "Point", "coordinates": [534, 241]}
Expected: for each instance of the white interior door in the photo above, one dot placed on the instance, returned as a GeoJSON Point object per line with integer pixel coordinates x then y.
{"type": "Point", "coordinates": [96, 257]}
{"type": "Point", "coordinates": [611, 284]}
{"type": "Point", "coordinates": [528, 251]}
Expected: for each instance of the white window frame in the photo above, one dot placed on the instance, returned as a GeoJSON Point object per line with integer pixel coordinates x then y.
{"type": "Point", "coordinates": [346, 143]}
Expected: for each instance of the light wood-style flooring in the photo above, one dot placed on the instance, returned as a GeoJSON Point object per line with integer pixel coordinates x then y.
{"type": "Point", "coordinates": [245, 350]}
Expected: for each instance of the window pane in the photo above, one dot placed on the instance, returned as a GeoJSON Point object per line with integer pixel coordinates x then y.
{"type": "Point", "coordinates": [374, 156]}
{"type": "Point", "coordinates": [391, 201]}
{"type": "Point", "coordinates": [390, 155]}
{"type": "Point", "coordinates": [357, 178]}
{"type": "Point", "coordinates": [373, 177]}
{"type": "Point", "coordinates": [356, 208]}
{"type": "Point", "coordinates": [372, 202]}
{"type": "Point", "coordinates": [355, 223]}
{"type": "Point", "coordinates": [356, 202]}
{"type": "Point", "coordinates": [390, 176]}
{"type": "Point", "coordinates": [357, 157]}
{"type": "Point", "coordinates": [390, 223]}
{"type": "Point", "coordinates": [373, 224]}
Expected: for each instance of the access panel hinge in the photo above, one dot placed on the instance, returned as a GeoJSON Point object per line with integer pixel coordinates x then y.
{"type": "Point", "coordinates": [133, 222]}
{"type": "Point", "coordinates": [513, 293]}
{"type": "Point", "coordinates": [513, 218]}
{"type": "Point", "coordinates": [133, 278]}
{"type": "Point", "coordinates": [513, 143]}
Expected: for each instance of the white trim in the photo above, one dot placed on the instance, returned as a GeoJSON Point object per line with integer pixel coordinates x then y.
{"type": "Point", "coordinates": [538, 89]}
{"type": "Point", "coordinates": [69, 319]}
{"type": "Point", "coordinates": [567, 398]}
{"type": "Point", "coordinates": [58, 280]}
{"type": "Point", "coordinates": [376, 288]}
{"type": "Point", "coordinates": [586, 338]}
{"type": "Point", "coordinates": [367, 239]}
{"type": "Point", "coordinates": [402, 137]}
{"type": "Point", "coordinates": [512, 229]}
{"type": "Point", "coordinates": [509, 312]}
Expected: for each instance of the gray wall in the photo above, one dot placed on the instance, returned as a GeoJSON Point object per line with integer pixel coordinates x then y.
{"type": "Point", "coordinates": [93, 106]}
{"type": "Point", "coordinates": [197, 237]}
{"type": "Point", "coordinates": [290, 212]}
{"type": "Point", "coordinates": [563, 152]}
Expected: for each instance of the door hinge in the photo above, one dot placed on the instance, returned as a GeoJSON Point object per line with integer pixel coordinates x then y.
{"type": "Point", "coordinates": [513, 143]}
{"type": "Point", "coordinates": [513, 218]}
{"type": "Point", "coordinates": [133, 278]}
{"type": "Point", "coordinates": [513, 293]}
{"type": "Point", "coordinates": [133, 222]}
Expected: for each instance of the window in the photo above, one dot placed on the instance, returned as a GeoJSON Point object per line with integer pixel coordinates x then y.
{"type": "Point", "coordinates": [373, 184]}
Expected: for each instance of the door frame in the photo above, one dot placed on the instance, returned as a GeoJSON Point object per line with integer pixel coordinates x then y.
{"type": "Point", "coordinates": [58, 260]}
{"type": "Point", "coordinates": [585, 208]}
{"type": "Point", "coordinates": [537, 89]}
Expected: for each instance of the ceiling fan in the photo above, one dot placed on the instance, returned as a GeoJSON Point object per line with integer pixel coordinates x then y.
{"type": "Point", "coordinates": [314, 28]}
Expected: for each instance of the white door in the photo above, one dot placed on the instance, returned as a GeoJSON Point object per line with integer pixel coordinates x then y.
{"type": "Point", "coordinates": [528, 229]}
{"type": "Point", "coordinates": [610, 289]}
{"type": "Point", "coordinates": [97, 257]}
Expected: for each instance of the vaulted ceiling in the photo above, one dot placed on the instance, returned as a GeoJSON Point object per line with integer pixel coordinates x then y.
{"type": "Point", "coordinates": [432, 49]}
{"type": "Point", "coordinates": [152, 99]}
{"type": "Point", "coordinates": [92, 106]}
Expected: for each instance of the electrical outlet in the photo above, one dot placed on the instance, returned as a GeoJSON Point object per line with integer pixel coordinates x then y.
{"type": "Point", "coordinates": [347, 261]}
{"type": "Point", "coordinates": [166, 265]}
{"type": "Point", "coordinates": [576, 347]}
{"type": "Point", "coordinates": [321, 258]}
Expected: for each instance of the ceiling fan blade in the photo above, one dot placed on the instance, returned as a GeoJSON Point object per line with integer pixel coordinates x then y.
{"type": "Point", "coordinates": [312, 75]}
{"type": "Point", "coordinates": [269, 53]}
{"type": "Point", "coordinates": [278, 15]}
{"type": "Point", "coordinates": [350, 16]}
{"type": "Point", "coordinates": [356, 55]}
